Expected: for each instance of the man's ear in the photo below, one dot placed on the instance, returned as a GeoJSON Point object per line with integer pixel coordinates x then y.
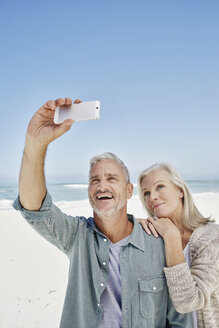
{"type": "Point", "coordinates": [130, 188]}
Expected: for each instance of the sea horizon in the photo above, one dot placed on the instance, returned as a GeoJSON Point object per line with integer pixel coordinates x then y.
{"type": "Point", "coordinates": [75, 191]}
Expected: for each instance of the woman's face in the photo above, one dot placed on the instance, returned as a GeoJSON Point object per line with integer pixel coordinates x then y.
{"type": "Point", "coordinates": [162, 196]}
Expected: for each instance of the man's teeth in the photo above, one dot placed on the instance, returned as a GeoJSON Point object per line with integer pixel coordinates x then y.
{"type": "Point", "coordinates": [104, 197]}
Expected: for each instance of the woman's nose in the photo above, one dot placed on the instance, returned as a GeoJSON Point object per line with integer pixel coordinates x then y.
{"type": "Point", "coordinates": [153, 195]}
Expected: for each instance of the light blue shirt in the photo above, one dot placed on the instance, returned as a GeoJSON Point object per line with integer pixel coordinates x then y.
{"type": "Point", "coordinates": [111, 299]}
{"type": "Point", "coordinates": [144, 293]}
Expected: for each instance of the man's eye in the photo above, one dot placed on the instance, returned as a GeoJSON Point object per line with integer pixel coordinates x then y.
{"type": "Point", "coordinates": [111, 178]}
{"type": "Point", "coordinates": [94, 181]}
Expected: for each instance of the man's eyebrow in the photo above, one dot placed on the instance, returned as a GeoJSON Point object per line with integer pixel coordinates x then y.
{"type": "Point", "coordinates": [112, 175]}
{"type": "Point", "coordinates": [93, 177]}
{"type": "Point", "coordinates": [108, 175]}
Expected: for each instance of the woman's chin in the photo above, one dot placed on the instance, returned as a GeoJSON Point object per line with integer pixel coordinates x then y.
{"type": "Point", "coordinates": [162, 215]}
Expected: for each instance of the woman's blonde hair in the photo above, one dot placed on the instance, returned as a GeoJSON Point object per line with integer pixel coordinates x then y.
{"type": "Point", "coordinates": [191, 216]}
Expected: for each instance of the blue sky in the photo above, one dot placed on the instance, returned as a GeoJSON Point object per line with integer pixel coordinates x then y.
{"type": "Point", "coordinates": [154, 65]}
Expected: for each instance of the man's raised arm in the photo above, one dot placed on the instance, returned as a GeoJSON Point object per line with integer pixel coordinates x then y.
{"type": "Point", "coordinates": [40, 132]}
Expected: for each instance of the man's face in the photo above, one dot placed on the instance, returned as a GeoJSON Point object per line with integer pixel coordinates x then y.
{"type": "Point", "coordinates": [108, 190]}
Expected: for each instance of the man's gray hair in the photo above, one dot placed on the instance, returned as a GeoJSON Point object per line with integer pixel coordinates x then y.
{"type": "Point", "coordinates": [108, 155]}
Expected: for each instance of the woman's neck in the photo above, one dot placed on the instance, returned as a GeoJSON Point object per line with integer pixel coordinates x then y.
{"type": "Point", "coordinates": [185, 232]}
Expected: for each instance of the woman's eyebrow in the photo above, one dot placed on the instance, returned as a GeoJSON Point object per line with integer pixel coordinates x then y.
{"type": "Point", "coordinates": [159, 181]}
{"type": "Point", "coordinates": [154, 184]}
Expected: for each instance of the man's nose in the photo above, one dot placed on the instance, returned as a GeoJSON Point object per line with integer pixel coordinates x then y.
{"type": "Point", "coordinates": [102, 185]}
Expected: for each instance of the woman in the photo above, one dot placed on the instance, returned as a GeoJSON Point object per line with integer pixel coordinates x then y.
{"type": "Point", "coordinates": [187, 234]}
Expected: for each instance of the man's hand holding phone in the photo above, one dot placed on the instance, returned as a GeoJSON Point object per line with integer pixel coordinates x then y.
{"type": "Point", "coordinates": [56, 117]}
{"type": "Point", "coordinates": [42, 128]}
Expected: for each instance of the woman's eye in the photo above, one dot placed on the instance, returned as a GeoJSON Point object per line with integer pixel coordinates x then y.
{"type": "Point", "coordinates": [147, 193]}
{"type": "Point", "coordinates": [160, 186]}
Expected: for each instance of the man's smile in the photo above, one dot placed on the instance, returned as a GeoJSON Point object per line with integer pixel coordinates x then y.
{"type": "Point", "coordinates": [104, 197]}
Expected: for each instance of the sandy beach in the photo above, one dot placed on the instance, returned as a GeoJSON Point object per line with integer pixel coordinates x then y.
{"type": "Point", "coordinates": [33, 273]}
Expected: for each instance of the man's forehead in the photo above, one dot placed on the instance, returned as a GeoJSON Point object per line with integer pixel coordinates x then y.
{"type": "Point", "coordinates": [106, 166]}
{"type": "Point", "coordinates": [93, 176]}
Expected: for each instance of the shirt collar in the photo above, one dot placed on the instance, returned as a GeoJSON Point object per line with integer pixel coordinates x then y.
{"type": "Point", "coordinates": [137, 235]}
{"type": "Point", "coordinates": [136, 238]}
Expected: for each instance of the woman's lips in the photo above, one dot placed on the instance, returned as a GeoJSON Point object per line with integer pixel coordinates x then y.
{"type": "Point", "coordinates": [157, 205]}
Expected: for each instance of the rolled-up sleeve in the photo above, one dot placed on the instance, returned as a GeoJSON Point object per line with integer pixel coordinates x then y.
{"type": "Point", "coordinates": [51, 223]}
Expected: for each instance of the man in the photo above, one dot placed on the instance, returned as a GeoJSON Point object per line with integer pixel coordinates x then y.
{"type": "Point", "coordinates": [116, 274]}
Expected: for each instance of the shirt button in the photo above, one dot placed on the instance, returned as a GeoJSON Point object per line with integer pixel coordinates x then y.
{"type": "Point", "coordinates": [98, 304]}
{"type": "Point", "coordinates": [104, 263]}
{"type": "Point", "coordinates": [105, 240]}
{"type": "Point", "coordinates": [101, 284]}
{"type": "Point", "coordinates": [154, 288]}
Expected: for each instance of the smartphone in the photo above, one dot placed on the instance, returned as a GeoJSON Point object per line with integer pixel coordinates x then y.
{"type": "Point", "coordinates": [78, 112]}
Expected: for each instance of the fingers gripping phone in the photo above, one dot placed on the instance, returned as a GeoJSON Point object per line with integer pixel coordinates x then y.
{"type": "Point", "coordinates": [78, 112]}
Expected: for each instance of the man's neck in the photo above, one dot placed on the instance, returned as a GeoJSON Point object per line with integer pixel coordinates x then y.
{"type": "Point", "coordinates": [115, 227]}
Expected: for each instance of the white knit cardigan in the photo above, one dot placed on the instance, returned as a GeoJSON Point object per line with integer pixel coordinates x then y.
{"type": "Point", "coordinates": [197, 288]}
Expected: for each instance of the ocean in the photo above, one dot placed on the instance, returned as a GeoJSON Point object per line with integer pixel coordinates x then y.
{"type": "Point", "coordinates": [74, 192]}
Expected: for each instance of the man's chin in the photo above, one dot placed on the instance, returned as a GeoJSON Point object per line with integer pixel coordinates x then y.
{"type": "Point", "coordinates": [108, 211]}
{"type": "Point", "coordinates": [104, 213]}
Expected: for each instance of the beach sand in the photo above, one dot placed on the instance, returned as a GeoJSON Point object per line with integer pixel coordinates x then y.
{"type": "Point", "coordinates": [33, 273]}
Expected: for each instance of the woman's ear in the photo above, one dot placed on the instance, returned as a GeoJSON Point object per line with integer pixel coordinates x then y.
{"type": "Point", "coordinates": [181, 194]}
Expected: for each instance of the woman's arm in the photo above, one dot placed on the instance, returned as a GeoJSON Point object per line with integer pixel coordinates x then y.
{"type": "Point", "coordinates": [171, 236]}
{"type": "Point", "coordinates": [191, 288]}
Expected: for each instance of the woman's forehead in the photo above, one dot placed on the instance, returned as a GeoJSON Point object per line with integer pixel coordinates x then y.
{"type": "Point", "coordinates": [155, 176]}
